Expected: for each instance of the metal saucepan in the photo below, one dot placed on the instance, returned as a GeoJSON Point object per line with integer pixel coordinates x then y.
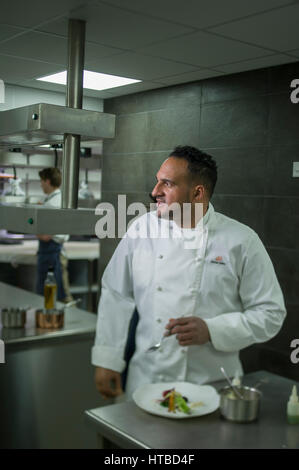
{"type": "Point", "coordinates": [243, 410]}
{"type": "Point", "coordinates": [13, 317]}
{"type": "Point", "coordinates": [55, 319]}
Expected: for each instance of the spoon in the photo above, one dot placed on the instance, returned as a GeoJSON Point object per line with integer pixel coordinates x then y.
{"type": "Point", "coordinates": [72, 303]}
{"type": "Point", "coordinates": [231, 384]}
{"type": "Point", "coordinates": [157, 346]}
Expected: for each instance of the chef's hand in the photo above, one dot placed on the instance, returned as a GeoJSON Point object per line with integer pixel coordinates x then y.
{"type": "Point", "coordinates": [108, 382]}
{"type": "Point", "coordinates": [188, 330]}
{"type": "Point", "coordinates": [44, 238]}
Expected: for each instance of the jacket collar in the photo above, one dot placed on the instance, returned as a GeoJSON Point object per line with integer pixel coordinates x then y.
{"type": "Point", "coordinates": [53, 194]}
{"type": "Point", "coordinates": [209, 217]}
{"type": "Point", "coordinates": [204, 224]}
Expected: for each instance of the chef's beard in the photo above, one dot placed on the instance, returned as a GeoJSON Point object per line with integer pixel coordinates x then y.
{"type": "Point", "coordinates": [158, 212]}
{"type": "Point", "coordinates": [167, 213]}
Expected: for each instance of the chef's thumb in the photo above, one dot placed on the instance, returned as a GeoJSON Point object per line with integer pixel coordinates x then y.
{"type": "Point", "coordinates": [170, 323]}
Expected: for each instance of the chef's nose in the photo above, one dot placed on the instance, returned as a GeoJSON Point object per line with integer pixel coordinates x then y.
{"type": "Point", "coordinates": [157, 191]}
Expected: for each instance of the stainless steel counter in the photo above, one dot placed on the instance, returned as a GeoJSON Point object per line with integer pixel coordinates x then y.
{"type": "Point", "coordinates": [130, 427]}
{"type": "Point", "coordinates": [26, 253]}
{"type": "Point", "coordinates": [47, 381]}
{"type": "Point", "coordinates": [77, 321]}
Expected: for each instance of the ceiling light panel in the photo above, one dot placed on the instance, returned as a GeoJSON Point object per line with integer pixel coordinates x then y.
{"type": "Point", "coordinates": [91, 80]}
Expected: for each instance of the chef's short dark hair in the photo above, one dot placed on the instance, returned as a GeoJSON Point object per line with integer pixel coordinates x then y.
{"type": "Point", "coordinates": [52, 174]}
{"type": "Point", "coordinates": [201, 165]}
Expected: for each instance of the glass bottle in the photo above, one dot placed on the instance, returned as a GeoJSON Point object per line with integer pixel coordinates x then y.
{"type": "Point", "coordinates": [50, 291]}
{"type": "Point", "coordinates": [293, 407]}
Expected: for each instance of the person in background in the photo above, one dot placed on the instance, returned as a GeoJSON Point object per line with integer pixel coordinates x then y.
{"type": "Point", "coordinates": [50, 251]}
{"type": "Point", "coordinates": [212, 291]}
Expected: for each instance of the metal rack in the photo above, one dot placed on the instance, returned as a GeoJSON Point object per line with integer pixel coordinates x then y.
{"type": "Point", "coordinates": [43, 124]}
{"type": "Point", "coordinates": [29, 160]}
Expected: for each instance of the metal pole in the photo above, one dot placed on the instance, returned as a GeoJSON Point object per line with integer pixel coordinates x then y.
{"type": "Point", "coordinates": [71, 147]}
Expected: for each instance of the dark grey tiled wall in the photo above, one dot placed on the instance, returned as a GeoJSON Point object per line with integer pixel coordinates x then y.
{"type": "Point", "coordinates": [248, 123]}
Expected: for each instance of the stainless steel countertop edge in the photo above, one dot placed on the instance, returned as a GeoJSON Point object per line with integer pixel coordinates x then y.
{"type": "Point", "coordinates": [49, 335]}
{"type": "Point", "coordinates": [114, 429]}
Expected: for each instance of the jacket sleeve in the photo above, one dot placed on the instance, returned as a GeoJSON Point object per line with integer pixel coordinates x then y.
{"type": "Point", "coordinates": [115, 309]}
{"type": "Point", "coordinates": [263, 304]}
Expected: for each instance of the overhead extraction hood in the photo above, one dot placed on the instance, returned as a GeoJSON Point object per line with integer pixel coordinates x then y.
{"type": "Point", "coordinates": [43, 123]}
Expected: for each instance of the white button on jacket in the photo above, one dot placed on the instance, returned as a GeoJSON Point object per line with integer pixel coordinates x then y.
{"type": "Point", "coordinates": [234, 289]}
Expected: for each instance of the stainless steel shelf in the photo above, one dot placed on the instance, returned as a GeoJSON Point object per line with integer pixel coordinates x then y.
{"type": "Point", "coordinates": [36, 219]}
{"type": "Point", "coordinates": [36, 159]}
{"type": "Point", "coordinates": [46, 123]}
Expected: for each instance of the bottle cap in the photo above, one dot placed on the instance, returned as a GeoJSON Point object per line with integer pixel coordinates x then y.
{"type": "Point", "coordinates": [236, 380]}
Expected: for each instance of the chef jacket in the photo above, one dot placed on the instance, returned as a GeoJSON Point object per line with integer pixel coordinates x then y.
{"type": "Point", "coordinates": [226, 278]}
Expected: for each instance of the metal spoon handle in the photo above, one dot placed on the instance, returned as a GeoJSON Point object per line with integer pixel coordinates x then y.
{"type": "Point", "coordinates": [158, 345]}
{"type": "Point", "coordinates": [230, 383]}
{"type": "Point", "coordinates": [72, 303]}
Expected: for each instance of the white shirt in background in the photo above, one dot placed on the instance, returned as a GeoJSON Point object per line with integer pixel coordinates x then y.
{"type": "Point", "coordinates": [54, 200]}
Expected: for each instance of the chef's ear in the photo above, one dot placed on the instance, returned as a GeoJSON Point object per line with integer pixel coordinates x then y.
{"type": "Point", "coordinates": [199, 193]}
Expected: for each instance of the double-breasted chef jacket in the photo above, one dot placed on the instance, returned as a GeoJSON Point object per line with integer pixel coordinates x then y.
{"type": "Point", "coordinates": [226, 278]}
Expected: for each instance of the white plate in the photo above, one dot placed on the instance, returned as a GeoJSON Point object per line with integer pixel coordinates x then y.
{"type": "Point", "coordinates": [147, 396]}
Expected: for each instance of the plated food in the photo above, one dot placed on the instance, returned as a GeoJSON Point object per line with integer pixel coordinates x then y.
{"type": "Point", "coordinates": [174, 401]}
{"type": "Point", "coordinates": [177, 400]}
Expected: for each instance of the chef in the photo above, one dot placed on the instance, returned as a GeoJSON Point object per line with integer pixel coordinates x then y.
{"type": "Point", "coordinates": [212, 290]}
{"type": "Point", "coordinates": [50, 250]}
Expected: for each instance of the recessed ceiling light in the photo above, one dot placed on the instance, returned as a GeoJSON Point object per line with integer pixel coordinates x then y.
{"type": "Point", "coordinates": [92, 80]}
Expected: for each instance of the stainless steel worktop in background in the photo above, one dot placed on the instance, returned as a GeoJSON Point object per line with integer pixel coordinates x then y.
{"type": "Point", "coordinates": [47, 381]}
{"type": "Point", "coordinates": [26, 252]}
{"type": "Point", "coordinates": [129, 427]}
{"type": "Point", "coordinates": [77, 321]}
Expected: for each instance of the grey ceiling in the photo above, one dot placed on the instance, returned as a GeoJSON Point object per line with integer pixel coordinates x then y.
{"type": "Point", "coordinates": [161, 42]}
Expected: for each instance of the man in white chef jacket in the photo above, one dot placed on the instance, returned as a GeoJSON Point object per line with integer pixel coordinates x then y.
{"type": "Point", "coordinates": [211, 298]}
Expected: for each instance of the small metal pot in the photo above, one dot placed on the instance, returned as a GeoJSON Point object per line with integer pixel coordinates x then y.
{"type": "Point", "coordinates": [13, 317]}
{"type": "Point", "coordinates": [55, 319]}
{"type": "Point", "coordinates": [49, 320]}
{"type": "Point", "coordinates": [244, 410]}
